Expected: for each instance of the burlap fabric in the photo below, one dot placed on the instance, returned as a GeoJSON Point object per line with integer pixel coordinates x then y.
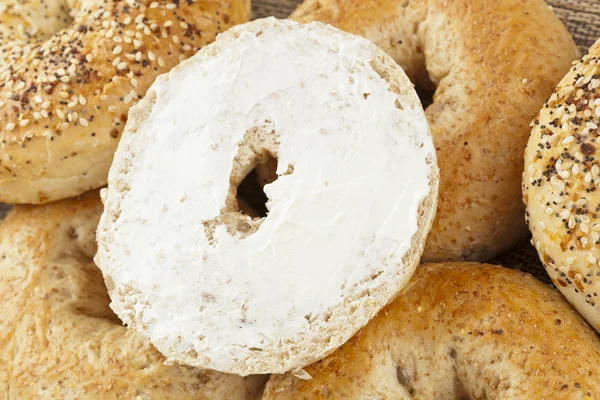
{"type": "Point", "coordinates": [582, 18]}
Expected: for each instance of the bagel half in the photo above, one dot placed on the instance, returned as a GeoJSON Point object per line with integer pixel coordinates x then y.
{"type": "Point", "coordinates": [58, 337]}
{"type": "Point", "coordinates": [492, 64]}
{"type": "Point", "coordinates": [212, 279]}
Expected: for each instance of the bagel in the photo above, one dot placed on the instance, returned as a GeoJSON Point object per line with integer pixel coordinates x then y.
{"type": "Point", "coordinates": [332, 240]}
{"type": "Point", "coordinates": [460, 331]}
{"type": "Point", "coordinates": [560, 182]}
{"type": "Point", "coordinates": [59, 338]}
{"type": "Point", "coordinates": [492, 64]}
{"type": "Point", "coordinates": [70, 71]}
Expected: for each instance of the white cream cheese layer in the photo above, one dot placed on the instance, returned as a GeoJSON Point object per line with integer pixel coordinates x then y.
{"type": "Point", "coordinates": [339, 224]}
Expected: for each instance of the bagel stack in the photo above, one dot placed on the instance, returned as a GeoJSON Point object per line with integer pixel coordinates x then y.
{"type": "Point", "coordinates": [272, 194]}
{"type": "Point", "coordinates": [491, 65]}
{"type": "Point", "coordinates": [70, 71]}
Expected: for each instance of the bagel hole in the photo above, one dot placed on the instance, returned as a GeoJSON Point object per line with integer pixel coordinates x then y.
{"type": "Point", "coordinates": [251, 197]}
{"type": "Point", "coordinates": [425, 89]}
{"type": "Point", "coordinates": [425, 95]}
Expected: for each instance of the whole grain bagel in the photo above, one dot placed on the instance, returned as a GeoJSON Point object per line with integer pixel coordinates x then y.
{"type": "Point", "coordinates": [219, 274]}
{"type": "Point", "coordinates": [460, 331]}
{"type": "Point", "coordinates": [561, 182]}
{"type": "Point", "coordinates": [69, 72]}
{"type": "Point", "coordinates": [492, 65]}
{"type": "Point", "coordinates": [58, 337]}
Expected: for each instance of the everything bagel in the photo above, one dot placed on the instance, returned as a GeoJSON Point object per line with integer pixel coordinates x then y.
{"type": "Point", "coordinates": [561, 182]}
{"type": "Point", "coordinates": [70, 71]}
{"type": "Point", "coordinates": [492, 65]}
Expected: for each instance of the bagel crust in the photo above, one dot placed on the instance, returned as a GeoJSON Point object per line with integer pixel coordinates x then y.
{"type": "Point", "coordinates": [214, 286]}
{"type": "Point", "coordinates": [561, 182]}
{"type": "Point", "coordinates": [492, 64]}
{"type": "Point", "coordinates": [70, 71]}
{"type": "Point", "coordinates": [59, 338]}
{"type": "Point", "coordinates": [460, 331]}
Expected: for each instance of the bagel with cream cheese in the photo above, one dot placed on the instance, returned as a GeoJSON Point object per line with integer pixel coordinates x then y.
{"type": "Point", "coordinates": [491, 64]}
{"type": "Point", "coordinates": [69, 72]}
{"type": "Point", "coordinates": [221, 272]}
{"type": "Point", "coordinates": [561, 182]}
{"type": "Point", "coordinates": [58, 337]}
{"type": "Point", "coordinates": [460, 331]}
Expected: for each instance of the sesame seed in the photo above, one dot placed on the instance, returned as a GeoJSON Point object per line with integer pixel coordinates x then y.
{"type": "Point", "coordinates": [83, 121]}
{"type": "Point", "coordinates": [38, 99]}
{"type": "Point", "coordinates": [568, 139]}
{"type": "Point", "coordinates": [46, 105]}
{"type": "Point", "coordinates": [154, 4]}
{"type": "Point", "coordinates": [24, 122]}
{"type": "Point", "coordinates": [10, 126]}
{"type": "Point", "coordinates": [151, 56]}
{"type": "Point", "coordinates": [168, 24]}
{"type": "Point", "coordinates": [122, 65]}
{"type": "Point", "coordinates": [161, 62]}
{"type": "Point", "coordinates": [82, 100]}
{"type": "Point", "coordinates": [171, 6]}
{"type": "Point", "coordinates": [117, 50]}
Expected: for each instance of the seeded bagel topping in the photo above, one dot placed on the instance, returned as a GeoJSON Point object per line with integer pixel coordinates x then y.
{"type": "Point", "coordinates": [561, 181]}
{"type": "Point", "coordinates": [72, 70]}
{"type": "Point", "coordinates": [64, 81]}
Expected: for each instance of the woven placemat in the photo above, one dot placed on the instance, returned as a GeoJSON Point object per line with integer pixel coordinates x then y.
{"type": "Point", "coordinates": [582, 18]}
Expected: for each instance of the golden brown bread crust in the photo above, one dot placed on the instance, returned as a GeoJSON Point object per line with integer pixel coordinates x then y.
{"type": "Point", "coordinates": [494, 63]}
{"type": "Point", "coordinates": [64, 96]}
{"type": "Point", "coordinates": [560, 186]}
{"type": "Point", "coordinates": [58, 337]}
{"type": "Point", "coordinates": [461, 330]}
